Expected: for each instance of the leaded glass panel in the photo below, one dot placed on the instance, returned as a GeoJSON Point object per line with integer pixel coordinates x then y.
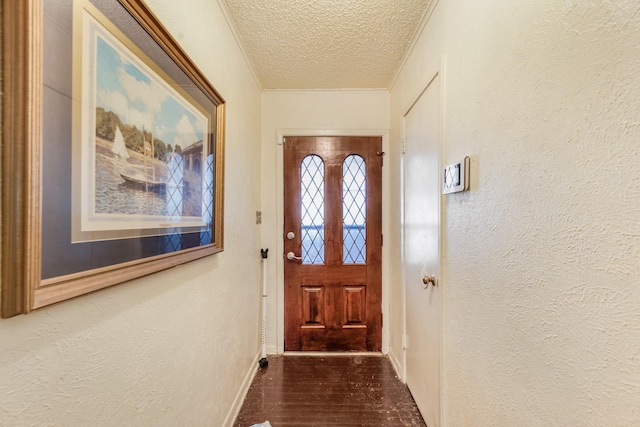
{"type": "Point", "coordinates": [312, 209]}
{"type": "Point", "coordinates": [354, 210]}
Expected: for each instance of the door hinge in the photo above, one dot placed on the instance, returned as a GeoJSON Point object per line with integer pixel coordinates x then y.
{"type": "Point", "coordinates": [382, 240]}
{"type": "Point", "coordinates": [404, 342]}
{"type": "Point", "coordinates": [381, 155]}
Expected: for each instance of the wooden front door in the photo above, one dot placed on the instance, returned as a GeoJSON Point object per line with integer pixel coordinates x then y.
{"type": "Point", "coordinates": [332, 243]}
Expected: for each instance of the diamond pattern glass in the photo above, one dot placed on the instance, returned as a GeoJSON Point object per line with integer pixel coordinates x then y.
{"type": "Point", "coordinates": [312, 210]}
{"type": "Point", "coordinates": [173, 197]}
{"type": "Point", "coordinates": [354, 210]}
{"type": "Point", "coordinates": [206, 236]}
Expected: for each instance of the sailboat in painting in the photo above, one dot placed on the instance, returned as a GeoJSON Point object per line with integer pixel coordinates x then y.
{"type": "Point", "coordinates": [146, 179]}
{"type": "Point", "coordinates": [119, 148]}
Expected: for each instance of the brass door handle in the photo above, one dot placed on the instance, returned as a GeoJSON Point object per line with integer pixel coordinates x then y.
{"type": "Point", "coordinates": [429, 279]}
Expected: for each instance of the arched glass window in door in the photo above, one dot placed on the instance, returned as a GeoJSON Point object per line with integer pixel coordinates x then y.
{"type": "Point", "coordinates": [354, 210]}
{"type": "Point", "coordinates": [312, 209]}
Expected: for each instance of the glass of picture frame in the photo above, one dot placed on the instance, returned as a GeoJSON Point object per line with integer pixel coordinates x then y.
{"type": "Point", "coordinates": [113, 150]}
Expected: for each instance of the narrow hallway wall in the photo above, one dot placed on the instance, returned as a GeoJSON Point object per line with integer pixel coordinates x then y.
{"type": "Point", "coordinates": [169, 349]}
{"type": "Point", "coordinates": [541, 256]}
{"type": "Point", "coordinates": [300, 112]}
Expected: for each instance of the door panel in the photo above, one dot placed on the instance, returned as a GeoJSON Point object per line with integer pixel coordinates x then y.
{"type": "Point", "coordinates": [422, 251]}
{"type": "Point", "coordinates": [332, 226]}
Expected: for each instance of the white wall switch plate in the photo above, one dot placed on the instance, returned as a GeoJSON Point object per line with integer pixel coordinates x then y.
{"type": "Point", "coordinates": [456, 177]}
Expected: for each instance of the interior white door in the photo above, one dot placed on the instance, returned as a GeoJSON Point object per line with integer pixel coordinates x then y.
{"type": "Point", "coordinates": [422, 250]}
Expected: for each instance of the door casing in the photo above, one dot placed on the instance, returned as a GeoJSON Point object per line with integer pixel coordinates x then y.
{"type": "Point", "coordinates": [335, 305]}
{"type": "Point", "coordinates": [277, 347]}
{"type": "Point", "coordinates": [435, 83]}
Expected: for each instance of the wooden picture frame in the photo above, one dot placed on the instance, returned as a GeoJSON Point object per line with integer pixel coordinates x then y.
{"type": "Point", "coordinates": [58, 153]}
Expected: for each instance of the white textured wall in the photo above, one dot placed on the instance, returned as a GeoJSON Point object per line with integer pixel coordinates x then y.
{"type": "Point", "coordinates": [170, 349]}
{"type": "Point", "coordinates": [309, 112]}
{"type": "Point", "coordinates": [542, 256]}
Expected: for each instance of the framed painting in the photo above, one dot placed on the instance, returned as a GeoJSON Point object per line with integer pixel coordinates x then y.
{"type": "Point", "coordinates": [121, 171]}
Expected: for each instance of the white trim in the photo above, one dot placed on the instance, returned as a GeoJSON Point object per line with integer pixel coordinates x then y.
{"type": "Point", "coordinates": [234, 410]}
{"type": "Point", "coordinates": [359, 91]}
{"type": "Point", "coordinates": [431, 80]}
{"type": "Point", "coordinates": [437, 73]}
{"type": "Point", "coordinates": [416, 36]}
{"type": "Point", "coordinates": [236, 35]}
{"type": "Point", "coordinates": [397, 366]}
{"type": "Point", "coordinates": [443, 229]}
{"type": "Point", "coordinates": [280, 133]}
{"type": "Point", "coordinates": [403, 274]}
{"type": "Point", "coordinates": [272, 349]}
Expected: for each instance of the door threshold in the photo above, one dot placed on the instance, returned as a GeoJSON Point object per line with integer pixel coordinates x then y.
{"type": "Point", "coordinates": [334, 353]}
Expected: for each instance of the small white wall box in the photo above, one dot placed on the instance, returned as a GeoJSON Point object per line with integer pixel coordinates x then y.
{"type": "Point", "coordinates": [456, 177]}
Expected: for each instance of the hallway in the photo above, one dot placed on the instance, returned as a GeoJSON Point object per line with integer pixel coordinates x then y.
{"type": "Point", "coordinates": [539, 260]}
{"type": "Point", "coordinates": [329, 391]}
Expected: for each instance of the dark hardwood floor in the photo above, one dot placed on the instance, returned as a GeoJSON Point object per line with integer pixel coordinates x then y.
{"type": "Point", "coordinates": [349, 390]}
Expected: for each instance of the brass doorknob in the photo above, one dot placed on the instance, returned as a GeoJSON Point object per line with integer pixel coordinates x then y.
{"type": "Point", "coordinates": [429, 279]}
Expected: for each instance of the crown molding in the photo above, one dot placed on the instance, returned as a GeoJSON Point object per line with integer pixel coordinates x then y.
{"type": "Point", "coordinates": [234, 30]}
{"type": "Point", "coordinates": [335, 91]}
{"type": "Point", "coordinates": [423, 23]}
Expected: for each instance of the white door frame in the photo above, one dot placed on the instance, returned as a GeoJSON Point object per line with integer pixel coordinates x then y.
{"type": "Point", "coordinates": [438, 72]}
{"type": "Point", "coordinates": [280, 134]}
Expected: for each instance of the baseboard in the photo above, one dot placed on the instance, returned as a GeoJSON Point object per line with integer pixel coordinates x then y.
{"type": "Point", "coordinates": [396, 364]}
{"type": "Point", "coordinates": [242, 392]}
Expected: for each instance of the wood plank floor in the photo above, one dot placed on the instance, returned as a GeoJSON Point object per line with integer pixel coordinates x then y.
{"type": "Point", "coordinates": [351, 390]}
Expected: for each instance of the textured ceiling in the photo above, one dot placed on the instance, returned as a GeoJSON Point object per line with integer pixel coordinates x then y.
{"type": "Point", "coordinates": [326, 44]}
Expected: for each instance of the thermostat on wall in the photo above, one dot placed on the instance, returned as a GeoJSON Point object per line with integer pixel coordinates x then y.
{"type": "Point", "coordinates": [456, 177]}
